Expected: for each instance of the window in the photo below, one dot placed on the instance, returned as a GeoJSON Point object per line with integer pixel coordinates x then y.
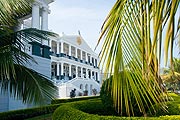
{"type": "Point", "coordinates": [66, 48]}
{"type": "Point", "coordinates": [83, 56]}
{"type": "Point", "coordinates": [79, 53]}
{"type": "Point", "coordinates": [81, 86]}
{"type": "Point", "coordinates": [73, 51]}
{"type": "Point", "coordinates": [96, 62]}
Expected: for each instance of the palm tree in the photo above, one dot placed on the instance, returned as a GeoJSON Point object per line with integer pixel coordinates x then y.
{"type": "Point", "coordinates": [134, 33]}
{"type": "Point", "coordinates": [22, 82]}
{"type": "Point", "coordinates": [171, 75]}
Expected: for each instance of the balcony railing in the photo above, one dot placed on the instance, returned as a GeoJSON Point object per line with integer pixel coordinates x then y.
{"type": "Point", "coordinates": [73, 58]}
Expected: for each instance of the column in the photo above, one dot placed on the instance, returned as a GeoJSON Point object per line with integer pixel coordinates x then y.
{"type": "Point", "coordinates": [57, 71]}
{"type": "Point", "coordinates": [87, 57]}
{"type": "Point", "coordinates": [82, 72]}
{"type": "Point", "coordinates": [18, 27]}
{"type": "Point", "coordinates": [44, 19]}
{"type": "Point", "coordinates": [50, 43]}
{"type": "Point", "coordinates": [44, 23]}
{"type": "Point", "coordinates": [57, 47]}
{"type": "Point", "coordinates": [62, 44]}
{"type": "Point", "coordinates": [69, 50]}
{"type": "Point", "coordinates": [76, 71]}
{"type": "Point", "coordinates": [62, 70]}
{"type": "Point", "coordinates": [35, 16]}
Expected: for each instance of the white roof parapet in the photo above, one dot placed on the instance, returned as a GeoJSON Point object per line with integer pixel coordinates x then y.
{"type": "Point", "coordinates": [46, 1]}
{"type": "Point", "coordinates": [49, 1]}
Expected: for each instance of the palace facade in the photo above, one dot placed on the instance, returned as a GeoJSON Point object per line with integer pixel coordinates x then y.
{"type": "Point", "coordinates": [73, 63]}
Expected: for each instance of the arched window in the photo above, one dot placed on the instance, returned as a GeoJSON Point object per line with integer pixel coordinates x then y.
{"type": "Point", "coordinates": [81, 86]}
{"type": "Point", "coordinates": [91, 89]}
{"type": "Point", "coordinates": [86, 87]}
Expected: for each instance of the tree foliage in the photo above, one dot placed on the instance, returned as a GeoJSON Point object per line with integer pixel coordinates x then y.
{"type": "Point", "coordinates": [22, 82]}
{"type": "Point", "coordinates": [171, 76]}
{"type": "Point", "coordinates": [136, 34]}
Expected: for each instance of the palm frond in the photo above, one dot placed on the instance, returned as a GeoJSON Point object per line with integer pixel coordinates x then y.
{"type": "Point", "coordinates": [29, 86]}
{"type": "Point", "coordinates": [12, 10]}
{"type": "Point", "coordinates": [22, 82]}
{"type": "Point", "coordinates": [132, 51]}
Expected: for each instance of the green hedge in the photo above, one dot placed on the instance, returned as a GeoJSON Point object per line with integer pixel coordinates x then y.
{"type": "Point", "coordinates": [92, 106]}
{"type": "Point", "coordinates": [28, 113]}
{"type": "Point", "coordinates": [91, 110]}
{"type": "Point", "coordinates": [32, 112]}
{"type": "Point", "coordinates": [57, 101]}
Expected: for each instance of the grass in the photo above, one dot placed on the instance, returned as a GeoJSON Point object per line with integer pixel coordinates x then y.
{"type": "Point", "coordinates": [42, 117]}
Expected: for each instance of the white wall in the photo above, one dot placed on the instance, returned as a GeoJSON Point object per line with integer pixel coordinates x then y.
{"type": "Point", "coordinates": [10, 103]}
{"type": "Point", "coordinates": [4, 102]}
{"type": "Point", "coordinates": [43, 66]}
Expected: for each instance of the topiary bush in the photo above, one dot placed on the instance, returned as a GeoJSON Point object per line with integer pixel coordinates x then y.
{"type": "Point", "coordinates": [81, 111]}
{"type": "Point", "coordinates": [94, 106]}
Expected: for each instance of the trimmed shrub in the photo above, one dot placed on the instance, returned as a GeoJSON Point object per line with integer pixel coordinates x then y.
{"type": "Point", "coordinates": [68, 113]}
{"type": "Point", "coordinates": [27, 113]}
{"type": "Point", "coordinates": [57, 101]}
{"type": "Point", "coordinates": [76, 111]}
{"type": "Point", "coordinates": [32, 112]}
{"type": "Point", "coordinates": [80, 110]}
{"type": "Point", "coordinates": [94, 106]}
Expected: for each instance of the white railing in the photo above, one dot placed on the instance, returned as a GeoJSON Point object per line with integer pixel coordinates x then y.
{"type": "Point", "coordinates": [83, 79]}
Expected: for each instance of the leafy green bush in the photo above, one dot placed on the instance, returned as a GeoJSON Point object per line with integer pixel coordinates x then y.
{"type": "Point", "coordinates": [27, 113]}
{"type": "Point", "coordinates": [105, 95]}
{"type": "Point", "coordinates": [173, 107]}
{"type": "Point", "coordinates": [57, 101]}
{"type": "Point", "coordinates": [93, 106]}
{"type": "Point", "coordinates": [84, 110]}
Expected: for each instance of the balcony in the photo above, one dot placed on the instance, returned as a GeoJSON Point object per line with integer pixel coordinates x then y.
{"type": "Point", "coordinates": [73, 58]}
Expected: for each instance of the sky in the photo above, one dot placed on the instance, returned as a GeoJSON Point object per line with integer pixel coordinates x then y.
{"type": "Point", "coordinates": [69, 16]}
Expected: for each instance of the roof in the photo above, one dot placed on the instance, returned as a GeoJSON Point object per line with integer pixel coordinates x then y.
{"type": "Point", "coordinates": [79, 42]}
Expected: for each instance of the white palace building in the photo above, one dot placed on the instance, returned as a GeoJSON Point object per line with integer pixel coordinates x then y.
{"type": "Point", "coordinates": [66, 59]}
{"type": "Point", "coordinates": [74, 65]}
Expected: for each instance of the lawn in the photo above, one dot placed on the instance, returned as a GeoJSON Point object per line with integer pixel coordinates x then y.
{"type": "Point", "coordinates": [42, 117]}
